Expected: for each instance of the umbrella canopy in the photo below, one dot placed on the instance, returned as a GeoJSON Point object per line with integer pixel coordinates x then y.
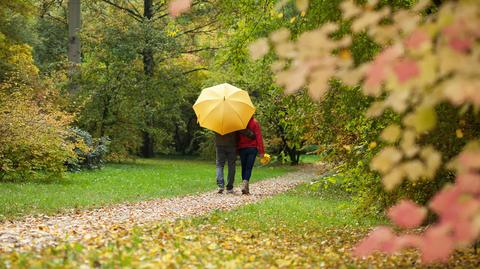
{"type": "Point", "coordinates": [223, 108]}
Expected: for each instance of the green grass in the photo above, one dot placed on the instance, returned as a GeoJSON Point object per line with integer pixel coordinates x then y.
{"type": "Point", "coordinates": [312, 158]}
{"type": "Point", "coordinates": [306, 206]}
{"type": "Point", "coordinates": [140, 180]}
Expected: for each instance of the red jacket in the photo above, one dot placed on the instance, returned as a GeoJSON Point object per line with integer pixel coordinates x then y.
{"type": "Point", "coordinates": [245, 142]}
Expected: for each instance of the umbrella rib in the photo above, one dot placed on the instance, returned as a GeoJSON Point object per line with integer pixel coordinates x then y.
{"type": "Point", "coordinates": [211, 110]}
{"type": "Point", "coordinates": [236, 112]}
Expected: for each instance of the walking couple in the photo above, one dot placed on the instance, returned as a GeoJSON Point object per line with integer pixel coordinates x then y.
{"type": "Point", "coordinates": [248, 143]}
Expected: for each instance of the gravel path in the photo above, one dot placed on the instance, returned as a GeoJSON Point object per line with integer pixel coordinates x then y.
{"type": "Point", "coordinates": [39, 231]}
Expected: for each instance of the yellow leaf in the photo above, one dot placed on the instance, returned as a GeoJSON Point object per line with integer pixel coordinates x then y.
{"type": "Point", "coordinates": [319, 84]}
{"type": "Point", "coordinates": [393, 179]}
{"type": "Point", "coordinates": [349, 9]}
{"type": "Point", "coordinates": [212, 246]}
{"type": "Point", "coordinates": [391, 133]}
{"type": "Point", "coordinates": [425, 119]}
{"type": "Point", "coordinates": [413, 169]}
{"type": "Point", "coordinates": [408, 144]}
{"type": "Point", "coordinates": [386, 159]}
{"type": "Point", "coordinates": [302, 5]}
{"type": "Point", "coordinates": [459, 133]}
{"type": "Point", "coordinates": [285, 50]}
{"type": "Point", "coordinates": [259, 48]}
{"type": "Point", "coordinates": [345, 54]}
{"type": "Point", "coordinates": [281, 35]}
{"type": "Point", "coordinates": [432, 159]}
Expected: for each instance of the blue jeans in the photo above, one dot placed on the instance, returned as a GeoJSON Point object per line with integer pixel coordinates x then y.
{"type": "Point", "coordinates": [229, 155]}
{"type": "Point", "coordinates": [247, 158]}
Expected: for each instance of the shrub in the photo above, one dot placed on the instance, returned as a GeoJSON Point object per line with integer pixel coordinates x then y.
{"type": "Point", "coordinates": [207, 147]}
{"type": "Point", "coordinates": [32, 144]}
{"type": "Point", "coordinates": [90, 152]}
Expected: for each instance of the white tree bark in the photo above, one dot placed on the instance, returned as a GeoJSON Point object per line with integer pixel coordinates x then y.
{"type": "Point", "coordinates": [74, 26]}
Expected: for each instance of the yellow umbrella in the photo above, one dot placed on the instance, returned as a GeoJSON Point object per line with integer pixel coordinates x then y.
{"type": "Point", "coordinates": [223, 108]}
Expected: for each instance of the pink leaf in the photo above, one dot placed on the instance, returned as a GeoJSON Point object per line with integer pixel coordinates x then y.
{"type": "Point", "coordinates": [376, 74]}
{"type": "Point", "coordinates": [177, 7]}
{"type": "Point", "coordinates": [407, 214]}
{"type": "Point", "coordinates": [416, 39]}
{"type": "Point", "coordinates": [464, 232]}
{"type": "Point", "coordinates": [469, 183]}
{"type": "Point", "coordinates": [444, 201]}
{"type": "Point", "coordinates": [469, 160]}
{"type": "Point", "coordinates": [437, 245]}
{"type": "Point", "coordinates": [382, 238]}
{"type": "Point", "coordinates": [457, 37]}
{"type": "Point", "coordinates": [409, 240]}
{"type": "Point", "coordinates": [461, 44]}
{"type": "Point", "coordinates": [406, 69]}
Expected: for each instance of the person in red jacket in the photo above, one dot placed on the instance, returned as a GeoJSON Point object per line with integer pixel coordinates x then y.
{"type": "Point", "coordinates": [250, 143]}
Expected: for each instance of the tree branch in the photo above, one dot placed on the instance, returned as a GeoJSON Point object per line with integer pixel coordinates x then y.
{"type": "Point", "coordinates": [133, 6]}
{"type": "Point", "coordinates": [194, 70]}
{"type": "Point", "coordinates": [194, 30]}
{"type": "Point", "coordinates": [198, 50]}
{"type": "Point", "coordinates": [138, 17]}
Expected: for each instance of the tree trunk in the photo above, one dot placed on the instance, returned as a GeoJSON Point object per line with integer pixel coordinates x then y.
{"type": "Point", "coordinates": [147, 147]}
{"type": "Point", "coordinates": [148, 68]}
{"type": "Point", "coordinates": [294, 155]}
{"type": "Point", "coordinates": [148, 63]}
{"type": "Point", "coordinates": [74, 50]}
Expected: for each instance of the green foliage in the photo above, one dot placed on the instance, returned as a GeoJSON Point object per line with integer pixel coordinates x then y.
{"type": "Point", "coordinates": [288, 122]}
{"type": "Point", "coordinates": [207, 147]}
{"type": "Point", "coordinates": [90, 152]}
{"type": "Point", "coordinates": [142, 112]}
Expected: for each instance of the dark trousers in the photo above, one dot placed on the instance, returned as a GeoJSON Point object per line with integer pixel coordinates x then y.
{"type": "Point", "coordinates": [247, 157]}
{"type": "Point", "coordinates": [229, 155]}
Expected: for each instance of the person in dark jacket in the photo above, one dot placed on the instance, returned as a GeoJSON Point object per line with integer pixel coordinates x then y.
{"type": "Point", "coordinates": [249, 144]}
{"type": "Point", "coordinates": [225, 148]}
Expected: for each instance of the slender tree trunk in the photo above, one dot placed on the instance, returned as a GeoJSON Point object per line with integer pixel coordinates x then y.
{"type": "Point", "coordinates": [74, 50]}
{"type": "Point", "coordinates": [147, 149]}
{"type": "Point", "coordinates": [148, 63]}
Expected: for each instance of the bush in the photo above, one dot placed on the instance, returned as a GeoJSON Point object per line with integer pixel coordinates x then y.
{"type": "Point", "coordinates": [207, 147]}
{"type": "Point", "coordinates": [90, 152]}
{"type": "Point", "coordinates": [32, 144]}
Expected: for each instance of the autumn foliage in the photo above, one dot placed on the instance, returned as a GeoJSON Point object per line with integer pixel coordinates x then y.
{"type": "Point", "coordinates": [33, 126]}
{"type": "Point", "coordinates": [427, 58]}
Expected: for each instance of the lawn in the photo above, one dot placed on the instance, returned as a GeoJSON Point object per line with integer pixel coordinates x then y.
{"type": "Point", "coordinates": [304, 228]}
{"type": "Point", "coordinates": [306, 206]}
{"type": "Point", "coordinates": [139, 180]}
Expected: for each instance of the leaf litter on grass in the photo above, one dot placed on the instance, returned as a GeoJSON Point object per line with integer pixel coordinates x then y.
{"type": "Point", "coordinates": [188, 244]}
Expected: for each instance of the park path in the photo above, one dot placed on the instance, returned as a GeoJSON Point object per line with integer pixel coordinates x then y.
{"type": "Point", "coordinates": [36, 232]}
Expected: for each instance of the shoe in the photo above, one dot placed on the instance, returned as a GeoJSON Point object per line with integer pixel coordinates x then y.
{"type": "Point", "coordinates": [245, 188]}
{"type": "Point", "coordinates": [220, 190]}
{"type": "Point", "coordinates": [230, 191]}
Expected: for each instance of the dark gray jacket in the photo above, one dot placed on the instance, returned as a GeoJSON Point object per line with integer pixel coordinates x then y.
{"type": "Point", "coordinates": [227, 140]}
